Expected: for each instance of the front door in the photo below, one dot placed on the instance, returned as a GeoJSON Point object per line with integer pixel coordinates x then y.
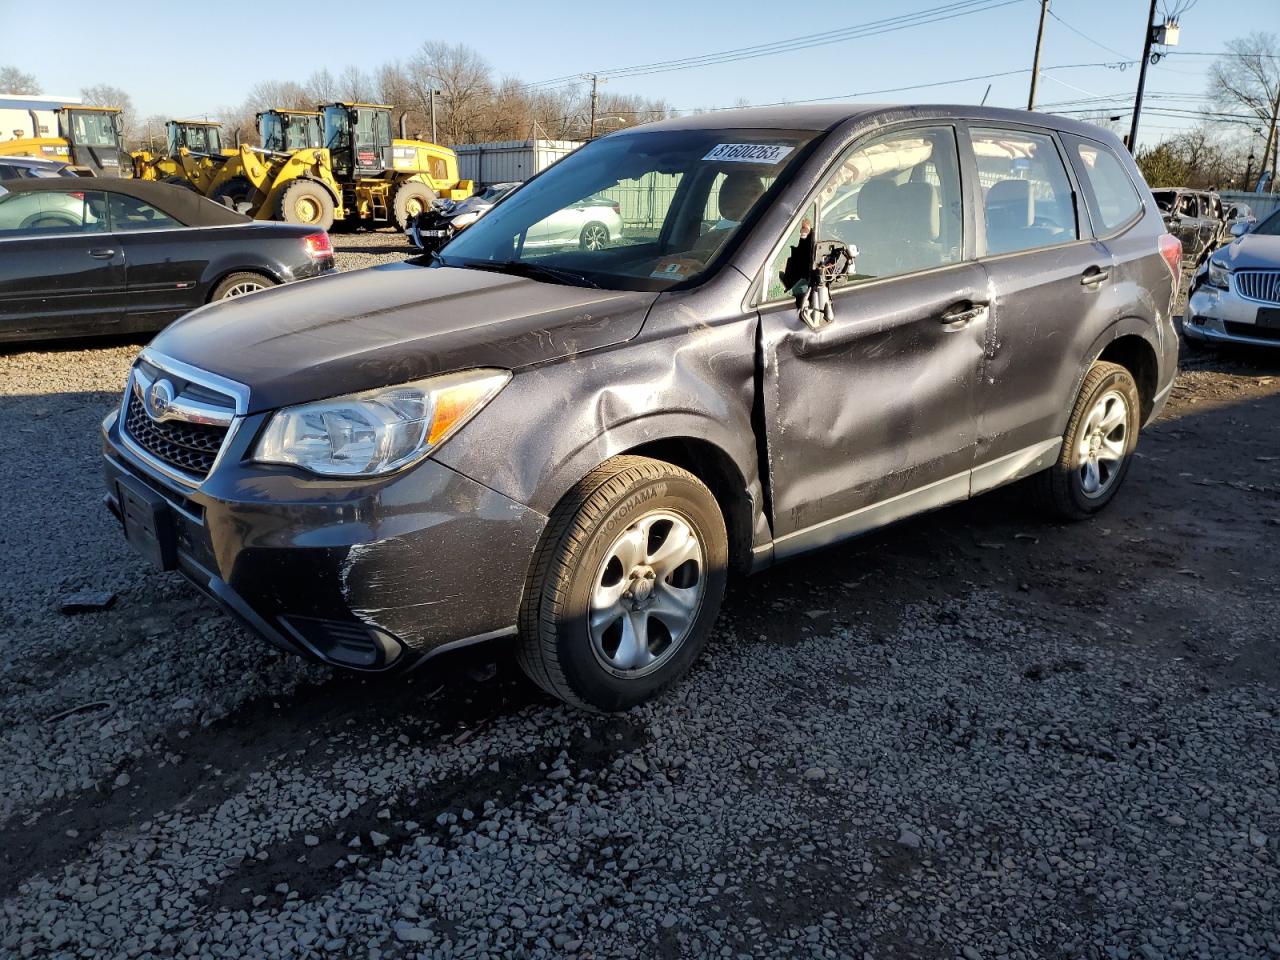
{"type": "Point", "coordinates": [165, 261]}
{"type": "Point", "coordinates": [60, 270]}
{"type": "Point", "coordinates": [1049, 279]}
{"type": "Point", "coordinates": [870, 417]}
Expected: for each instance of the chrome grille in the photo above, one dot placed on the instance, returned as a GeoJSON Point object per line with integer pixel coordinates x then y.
{"type": "Point", "coordinates": [189, 447]}
{"type": "Point", "coordinates": [1262, 286]}
{"type": "Point", "coordinates": [181, 427]}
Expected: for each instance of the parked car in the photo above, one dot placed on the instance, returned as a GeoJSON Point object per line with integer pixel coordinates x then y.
{"type": "Point", "coordinates": [589, 224]}
{"type": "Point", "coordinates": [1240, 213]}
{"type": "Point", "coordinates": [575, 446]}
{"type": "Point", "coordinates": [34, 168]}
{"type": "Point", "coordinates": [1196, 218]}
{"type": "Point", "coordinates": [435, 227]}
{"type": "Point", "coordinates": [116, 256]}
{"type": "Point", "coordinates": [1235, 296]}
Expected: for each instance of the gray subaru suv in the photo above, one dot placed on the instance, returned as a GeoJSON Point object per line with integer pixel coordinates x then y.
{"type": "Point", "coordinates": [818, 321]}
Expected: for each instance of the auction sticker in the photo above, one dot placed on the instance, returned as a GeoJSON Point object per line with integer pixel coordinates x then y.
{"type": "Point", "coordinates": [676, 268]}
{"type": "Point", "coordinates": [748, 152]}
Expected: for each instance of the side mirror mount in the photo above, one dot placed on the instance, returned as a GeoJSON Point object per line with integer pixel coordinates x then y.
{"type": "Point", "coordinates": [833, 261]}
{"type": "Point", "coordinates": [1239, 229]}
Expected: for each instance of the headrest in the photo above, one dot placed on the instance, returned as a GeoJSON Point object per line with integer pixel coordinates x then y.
{"type": "Point", "coordinates": [738, 193]}
{"type": "Point", "coordinates": [877, 201]}
{"type": "Point", "coordinates": [918, 202]}
{"type": "Point", "coordinates": [1012, 203]}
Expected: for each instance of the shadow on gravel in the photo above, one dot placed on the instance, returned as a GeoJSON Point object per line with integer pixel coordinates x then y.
{"type": "Point", "coordinates": [70, 344]}
{"type": "Point", "coordinates": [461, 695]}
{"type": "Point", "coordinates": [451, 801]}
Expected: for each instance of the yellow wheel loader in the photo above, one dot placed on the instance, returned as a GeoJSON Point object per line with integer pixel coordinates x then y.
{"type": "Point", "coordinates": [380, 179]}
{"type": "Point", "coordinates": [358, 174]}
{"type": "Point", "coordinates": [88, 137]}
{"type": "Point", "coordinates": [194, 155]}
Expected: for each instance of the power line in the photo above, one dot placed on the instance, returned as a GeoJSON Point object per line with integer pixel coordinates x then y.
{"type": "Point", "coordinates": [1080, 33]}
{"type": "Point", "coordinates": [931, 15]}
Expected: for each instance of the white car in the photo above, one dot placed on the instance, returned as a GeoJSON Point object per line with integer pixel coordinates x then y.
{"type": "Point", "coordinates": [592, 223]}
{"type": "Point", "coordinates": [1235, 296]}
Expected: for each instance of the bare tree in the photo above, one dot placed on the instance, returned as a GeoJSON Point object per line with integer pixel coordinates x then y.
{"type": "Point", "coordinates": [13, 80]}
{"type": "Point", "coordinates": [353, 85]}
{"type": "Point", "coordinates": [1248, 79]}
{"type": "Point", "coordinates": [465, 88]}
{"type": "Point", "coordinates": [285, 94]}
{"type": "Point", "coordinates": [321, 87]}
{"type": "Point", "coordinates": [105, 95]}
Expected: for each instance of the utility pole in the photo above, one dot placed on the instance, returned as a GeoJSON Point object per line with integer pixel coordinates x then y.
{"type": "Point", "coordinates": [1142, 78]}
{"type": "Point", "coordinates": [432, 98]}
{"type": "Point", "coordinates": [1035, 64]}
{"type": "Point", "coordinates": [595, 100]}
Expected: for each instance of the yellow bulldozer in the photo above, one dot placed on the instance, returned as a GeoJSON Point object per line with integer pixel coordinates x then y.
{"type": "Point", "coordinates": [194, 154]}
{"type": "Point", "coordinates": [358, 174]}
{"type": "Point", "coordinates": [88, 137]}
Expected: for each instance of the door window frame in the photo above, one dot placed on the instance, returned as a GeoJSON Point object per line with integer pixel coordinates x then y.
{"type": "Point", "coordinates": [1092, 207]}
{"type": "Point", "coordinates": [1084, 226]}
{"type": "Point", "coordinates": [757, 295]}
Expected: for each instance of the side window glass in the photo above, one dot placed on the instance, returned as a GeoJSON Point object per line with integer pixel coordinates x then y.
{"type": "Point", "coordinates": [1116, 197]}
{"type": "Point", "coordinates": [788, 272]}
{"type": "Point", "coordinates": [52, 212]}
{"type": "Point", "coordinates": [897, 200]}
{"type": "Point", "coordinates": [1187, 205]}
{"type": "Point", "coordinates": [1026, 193]}
{"type": "Point", "coordinates": [129, 214]}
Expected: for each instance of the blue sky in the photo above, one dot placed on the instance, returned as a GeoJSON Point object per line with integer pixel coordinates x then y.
{"type": "Point", "coordinates": [188, 59]}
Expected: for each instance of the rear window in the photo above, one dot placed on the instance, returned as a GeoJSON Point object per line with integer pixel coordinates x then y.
{"type": "Point", "coordinates": [1116, 198]}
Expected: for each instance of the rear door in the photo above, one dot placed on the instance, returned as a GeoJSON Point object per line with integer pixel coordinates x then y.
{"type": "Point", "coordinates": [166, 260]}
{"type": "Point", "coordinates": [870, 417]}
{"type": "Point", "coordinates": [61, 272]}
{"type": "Point", "coordinates": [1048, 278]}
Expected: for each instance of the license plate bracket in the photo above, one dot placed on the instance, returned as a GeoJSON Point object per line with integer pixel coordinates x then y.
{"type": "Point", "coordinates": [1269, 317]}
{"type": "Point", "coordinates": [148, 523]}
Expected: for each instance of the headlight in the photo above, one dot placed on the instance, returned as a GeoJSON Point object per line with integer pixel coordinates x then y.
{"type": "Point", "coordinates": [376, 432]}
{"type": "Point", "coordinates": [1219, 276]}
{"type": "Point", "coordinates": [464, 220]}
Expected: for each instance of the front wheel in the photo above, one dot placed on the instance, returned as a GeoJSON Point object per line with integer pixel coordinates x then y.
{"type": "Point", "coordinates": [1096, 448]}
{"type": "Point", "coordinates": [626, 585]}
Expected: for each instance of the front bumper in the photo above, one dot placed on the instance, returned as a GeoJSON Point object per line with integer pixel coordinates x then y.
{"type": "Point", "coordinates": [372, 575]}
{"type": "Point", "coordinates": [1214, 315]}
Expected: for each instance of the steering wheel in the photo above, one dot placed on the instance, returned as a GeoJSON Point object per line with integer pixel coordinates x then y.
{"type": "Point", "coordinates": [46, 219]}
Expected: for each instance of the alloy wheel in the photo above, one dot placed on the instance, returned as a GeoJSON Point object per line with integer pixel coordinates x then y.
{"type": "Point", "coordinates": [594, 237]}
{"type": "Point", "coordinates": [240, 289]}
{"type": "Point", "coordinates": [646, 595]}
{"type": "Point", "coordinates": [1102, 443]}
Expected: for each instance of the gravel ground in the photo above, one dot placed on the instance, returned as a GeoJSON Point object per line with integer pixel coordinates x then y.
{"type": "Point", "coordinates": [973, 735]}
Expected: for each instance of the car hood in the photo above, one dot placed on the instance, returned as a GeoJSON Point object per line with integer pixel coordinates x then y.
{"type": "Point", "coordinates": [470, 205]}
{"type": "Point", "coordinates": [386, 325]}
{"type": "Point", "coordinates": [1252, 251]}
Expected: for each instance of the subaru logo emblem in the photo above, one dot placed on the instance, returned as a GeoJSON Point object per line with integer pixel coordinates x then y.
{"type": "Point", "coordinates": [159, 398]}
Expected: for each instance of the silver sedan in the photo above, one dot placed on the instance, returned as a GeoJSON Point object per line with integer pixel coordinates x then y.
{"type": "Point", "coordinates": [1235, 296]}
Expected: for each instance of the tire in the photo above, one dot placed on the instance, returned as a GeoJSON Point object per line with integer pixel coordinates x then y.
{"type": "Point", "coordinates": [1063, 491]}
{"type": "Point", "coordinates": [636, 507]}
{"type": "Point", "coordinates": [240, 284]}
{"type": "Point", "coordinates": [594, 236]}
{"type": "Point", "coordinates": [410, 199]}
{"type": "Point", "coordinates": [237, 193]}
{"type": "Point", "coordinates": [306, 202]}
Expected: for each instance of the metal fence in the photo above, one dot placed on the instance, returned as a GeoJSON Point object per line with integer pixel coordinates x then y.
{"type": "Point", "coordinates": [644, 202]}
{"type": "Point", "coordinates": [1262, 204]}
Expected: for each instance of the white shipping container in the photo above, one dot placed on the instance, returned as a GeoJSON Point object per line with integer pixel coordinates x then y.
{"type": "Point", "coordinates": [23, 115]}
{"type": "Point", "coordinates": [510, 160]}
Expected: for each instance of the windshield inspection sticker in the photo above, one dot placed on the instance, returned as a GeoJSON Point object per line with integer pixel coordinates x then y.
{"type": "Point", "coordinates": [748, 152]}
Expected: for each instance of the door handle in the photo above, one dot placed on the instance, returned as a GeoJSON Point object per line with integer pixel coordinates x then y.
{"type": "Point", "coordinates": [960, 315]}
{"type": "Point", "coordinates": [102, 253]}
{"type": "Point", "coordinates": [1094, 276]}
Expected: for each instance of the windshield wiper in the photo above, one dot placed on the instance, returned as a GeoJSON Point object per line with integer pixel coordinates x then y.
{"type": "Point", "coordinates": [524, 268]}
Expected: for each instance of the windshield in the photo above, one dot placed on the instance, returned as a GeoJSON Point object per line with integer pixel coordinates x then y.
{"type": "Point", "coordinates": [1269, 227]}
{"type": "Point", "coordinates": [272, 131]}
{"type": "Point", "coordinates": [638, 211]}
{"type": "Point", "coordinates": [92, 128]}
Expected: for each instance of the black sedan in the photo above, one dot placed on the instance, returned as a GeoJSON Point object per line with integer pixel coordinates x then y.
{"type": "Point", "coordinates": [105, 256]}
